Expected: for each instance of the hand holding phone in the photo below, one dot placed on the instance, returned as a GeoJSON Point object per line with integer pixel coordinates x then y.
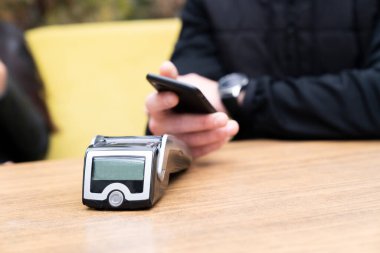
{"type": "Point", "coordinates": [191, 99]}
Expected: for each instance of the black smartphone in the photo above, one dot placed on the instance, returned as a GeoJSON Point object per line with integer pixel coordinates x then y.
{"type": "Point", "coordinates": [191, 99]}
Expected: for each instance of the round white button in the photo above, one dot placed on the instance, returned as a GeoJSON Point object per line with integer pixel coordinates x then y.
{"type": "Point", "coordinates": [116, 198]}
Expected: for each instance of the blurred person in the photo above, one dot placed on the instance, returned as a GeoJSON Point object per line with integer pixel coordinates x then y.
{"type": "Point", "coordinates": [302, 69]}
{"type": "Point", "coordinates": [24, 121]}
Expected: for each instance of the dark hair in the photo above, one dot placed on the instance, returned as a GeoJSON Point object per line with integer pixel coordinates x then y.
{"type": "Point", "coordinates": [22, 68]}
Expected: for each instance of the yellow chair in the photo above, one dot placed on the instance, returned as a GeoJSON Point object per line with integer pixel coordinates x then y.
{"type": "Point", "coordinates": [94, 76]}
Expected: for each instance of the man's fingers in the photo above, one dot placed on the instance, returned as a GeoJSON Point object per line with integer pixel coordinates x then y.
{"type": "Point", "coordinates": [203, 150]}
{"type": "Point", "coordinates": [232, 128]}
{"type": "Point", "coordinates": [186, 123]}
{"type": "Point", "coordinates": [159, 102]}
{"type": "Point", "coordinates": [203, 138]}
{"type": "Point", "coordinates": [169, 70]}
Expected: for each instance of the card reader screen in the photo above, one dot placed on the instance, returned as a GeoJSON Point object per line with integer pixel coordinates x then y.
{"type": "Point", "coordinates": [118, 168]}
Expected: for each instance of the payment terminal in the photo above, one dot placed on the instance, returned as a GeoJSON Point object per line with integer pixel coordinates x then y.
{"type": "Point", "coordinates": [130, 172]}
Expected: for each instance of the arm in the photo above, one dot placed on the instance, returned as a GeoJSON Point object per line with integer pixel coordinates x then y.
{"type": "Point", "coordinates": [23, 129]}
{"type": "Point", "coordinates": [343, 105]}
{"type": "Point", "coordinates": [3, 79]}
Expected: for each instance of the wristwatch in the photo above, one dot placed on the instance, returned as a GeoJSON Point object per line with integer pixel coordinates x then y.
{"type": "Point", "coordinates": [230, 87]}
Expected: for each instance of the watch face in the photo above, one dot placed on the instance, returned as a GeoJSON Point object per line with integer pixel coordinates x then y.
{"type": "Point", "coordinates": [233, 79]}
{"type": "Point", "coordinates": [231, 85]}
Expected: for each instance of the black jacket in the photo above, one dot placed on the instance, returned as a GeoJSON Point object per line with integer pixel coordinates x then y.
{"type": "Point", "coordinates": [314, 65]}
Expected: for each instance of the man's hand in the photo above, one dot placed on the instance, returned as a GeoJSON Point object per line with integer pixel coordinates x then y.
{"type": "Point", "coordinates": [203, 133]}
{"type": "Point", "coordinates": [3, 78]}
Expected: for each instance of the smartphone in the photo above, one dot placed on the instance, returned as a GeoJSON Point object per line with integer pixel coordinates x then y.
{"type": "Point", "coordinates": [191, 99]}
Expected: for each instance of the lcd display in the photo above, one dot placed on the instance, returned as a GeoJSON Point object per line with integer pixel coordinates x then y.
{"type": "Point", "coordinates": [118, 168]}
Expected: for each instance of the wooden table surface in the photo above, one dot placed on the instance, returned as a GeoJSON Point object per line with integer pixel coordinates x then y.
{"type": "Point", "coordinates": [253, 196]}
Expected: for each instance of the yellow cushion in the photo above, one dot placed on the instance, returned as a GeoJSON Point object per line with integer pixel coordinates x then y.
{"type": "Point", "coordinates": [95, 77]}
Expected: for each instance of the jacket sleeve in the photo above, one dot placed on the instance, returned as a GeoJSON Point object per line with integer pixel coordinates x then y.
{"type": "Point", "coordinates": [342, 105]}
{"type": "Point", "coordinates": [195, 51]}
{"type": "Point", "coordinates": [23, 128]}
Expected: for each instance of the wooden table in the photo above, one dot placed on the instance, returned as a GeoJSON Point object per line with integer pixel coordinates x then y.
{"type": "Point", "coordinates": [254, 196]}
